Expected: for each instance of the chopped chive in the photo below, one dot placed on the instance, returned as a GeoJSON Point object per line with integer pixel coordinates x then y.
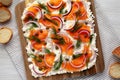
{"type": "Point", "coordinates": [30, 18]}
{"type": "Point", "coordinates": [78, 43]}
{"type": "Point", "coordinates": [57, 65]}
{"type": "Point", "coordinates": [43, 6]}
{"type": "Point", "coordinates": [91, 38]}
{"type": "Point", "coordinates": [60, 39]}
{"type": "Point", "coordinates": [47, 51]}
{"type": "Point", "coordinates": [76, 27]}
{"type": "Point", "coordinates": [39, 60]}
{"type": "Point", "coordinates": [32, 56]}
{"type": "Point", "coordinates": [34, 25]}
{"type": "Point", "coordinates": [76, 56]}
{"type": "Point", "coordinates": [34, 38]}
{"type": "Point", "coordinates": [87, 61]}
{"type": "Point", "coordinates": [61, 9]}
{"type": "Point", "coordinates": [52, 21]}
{"type": "Point", "coordinates": [54, 31]}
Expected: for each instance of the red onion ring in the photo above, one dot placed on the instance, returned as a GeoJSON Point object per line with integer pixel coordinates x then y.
{"type": "Point", "coordinates": [31, 13]}
{"type": "Point", "coordinates": [70, 7]}
{"type": "Point", "coordinates": [32, 22]}
{"type": "Point", "coordinates": [77, 6]}
{"type": "Point", "coordinates": [77, 52]}
{"type": "Point", "coordinates": [59, 19]}
{"type": "Point", "coordinates": [37, 8]}
{"type": "Point", "coordinates": [81, 65]}
{"type": "Point", "coordinates": [27, 14]}
{"type": "Point", "coordinates": [72, 25]}
{"type": "Point", "coordinates": [39, 73]}
{"type": "Point", "coordinates": [54, 7]}
{"type": "Point", "coordinates": [32, 43]}
{"type": "Point", "coordinates": [94, 55]}
{"type": "Point", "coordinates": [69, 47]}
{"type": "Point", "coordinates": [46, 62]}
{"type": "Point", "coordinates": [84, 31]}
{"type": "Point", "coordinates": [39, 11]}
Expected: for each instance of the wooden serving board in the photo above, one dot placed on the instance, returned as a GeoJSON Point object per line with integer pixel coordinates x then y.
{"type": "Point", "coordinates": [99, 66]}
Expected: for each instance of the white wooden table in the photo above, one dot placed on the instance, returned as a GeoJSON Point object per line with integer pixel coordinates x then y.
{"type": "Point", "coordinates": [108, 16]}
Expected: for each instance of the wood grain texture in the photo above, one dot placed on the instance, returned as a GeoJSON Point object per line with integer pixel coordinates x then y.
{"type": "Point", "coordinates": [99, 66]}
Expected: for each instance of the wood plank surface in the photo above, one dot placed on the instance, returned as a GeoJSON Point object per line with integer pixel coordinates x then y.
{"type": "Point", "coordinates": [99, 66]}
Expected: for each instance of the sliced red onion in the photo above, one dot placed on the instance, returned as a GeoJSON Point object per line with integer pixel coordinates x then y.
{"type": "Point", "coordinates": [84, 31]}
{"type": "Point", "coordinates": [94, 55]}
{"type": "Point", "coordinates": [59, 19]}
{"type": "Point", "coordinates": [46, 62]}
{"type": "Point", "coordinates": [39, 11]}
{"type": "Point", "coordinates": [48, 25]}
{"type": "Point", "coordinates": [28, 14]}
{"type": "Point", "coordinates": [77, 52]}
{"type": "Point", "coordinates": [77, 6]}
{"type": "Point", "coordinates": [37, 8]}
{"type": "Point", "coordinates": [69, 47]}
{"type": "Point", "coordinates": [54, 7]}
{"type": "Point", "coordinates": [39, 73]}
{"type": "Point", "coordinates": [69, 5]}
{"type": "Point", "coordinates": [29, 22]}
{"type": "Point", "coordinates": [32, 43]}
{"type": "Point", "coordinates": [31, 13]}
{"type": "Point", "coordinates": [31, 47]}
{"type": "Point", "coordinates": [68, 28]}
{"type": "Point", "coordinates": [81, 65]}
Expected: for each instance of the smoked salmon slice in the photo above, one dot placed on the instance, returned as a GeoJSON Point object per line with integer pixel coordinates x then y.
{"type": "Point", "coordinates": [49, 59]}
{"type": "Point", "coordinates": [78, 11]}
{"type": "Point", "coordinates": [37, 38]}
{"type": "Point", "coordinates": [76, 64]}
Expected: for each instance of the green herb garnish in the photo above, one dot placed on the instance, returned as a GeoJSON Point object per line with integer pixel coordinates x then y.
{"type": "Point", "coordinates": [87, 61]}
{"type": "Point", "coordinates": [47, 50]}
{"type": "Point", "coordinates": [34, 25]}
{"type": "Point", "coordinates": [30, 18]}
{"type": "Point", "coordinates": [30, 28]}
{"type": "Point", "coordinates": [59, 39]}
{"type": "Point", "coordinates": [61, 11]}
{"type": "Point", "coordinates": [78, 43]}
{"type": "Point", "coordinates": [43, 6]}
{"type": "Point", "coordinates": [32, 56]}
{"type": "Point", "coordinates": [34, 38]}
{"type": "Point", "coordinates": [39, 60]}
{"type": "Point", "coordinates": [54, 31]}
{"type": "Point", "coordinates": [76, 27]}
{"type": "Point", "coordinates": [91, 38]}
{"type": "Point", "coordinates": [58, 64]}
{"type": "Point", "coordinates": [52, 21]}
{"type": "Point", "coordinates": [76, 56]}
